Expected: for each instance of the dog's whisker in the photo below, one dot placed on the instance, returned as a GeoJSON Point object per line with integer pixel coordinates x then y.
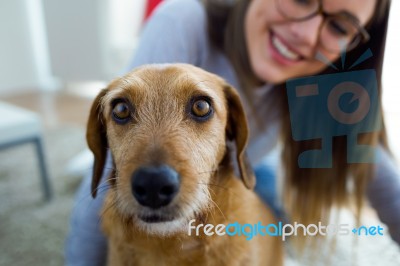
{"type": "Point", "coordinates": [216, 205]}
{"type": "Point", "coordinates": [89, 195]}
{"type": "Point", "coordinates": [109, 168]}
{"type": "Point", "coordinates": [107, 180]}
{"type": "Point", "coordinates": [229, 190]}
{"type": "Point", "coordinates": [102, 215]}
{"type": "Point", "coordinates": [214, 185]}
{"type": "Point", "coordinates": [181, 162]}
{"type": "Point", "coordinates": [104, 184]}
{"type": "Point", "coordinates": [207, 172]}
{"type": "Point", "coordinates": [102, 187]}
{"type": "Point", "coordinates": [212, 214]}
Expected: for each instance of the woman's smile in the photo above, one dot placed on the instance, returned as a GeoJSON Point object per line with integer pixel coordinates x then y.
{"type": "Point", "coordinates": [281, 51]}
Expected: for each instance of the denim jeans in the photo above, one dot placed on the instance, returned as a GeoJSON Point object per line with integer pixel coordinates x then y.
{"type": "Point", "coordinates": [266, 186]}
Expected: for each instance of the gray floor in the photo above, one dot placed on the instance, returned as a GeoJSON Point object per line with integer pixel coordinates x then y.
{"type": "Point", "coordinates": [32, 231]}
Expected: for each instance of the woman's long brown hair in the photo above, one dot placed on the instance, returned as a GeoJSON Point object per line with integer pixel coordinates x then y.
{"type": "Point", "coordinates": [309, 193]}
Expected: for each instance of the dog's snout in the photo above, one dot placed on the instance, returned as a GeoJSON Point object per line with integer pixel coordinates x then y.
{"type": "Point", "coordinates": [155, 187]}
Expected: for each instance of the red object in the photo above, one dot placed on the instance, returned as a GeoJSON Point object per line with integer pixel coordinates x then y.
{"type": "Point", "coordinates": [151, 4]}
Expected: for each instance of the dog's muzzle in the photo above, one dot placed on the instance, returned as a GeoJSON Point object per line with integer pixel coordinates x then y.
{"type": "Point", "coordinates": [155, 186]}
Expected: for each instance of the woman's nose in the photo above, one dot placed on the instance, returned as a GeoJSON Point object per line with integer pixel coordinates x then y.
{"type": "Point", "coordinates": [307, 32]}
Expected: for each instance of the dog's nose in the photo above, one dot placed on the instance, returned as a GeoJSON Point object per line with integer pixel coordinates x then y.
{"type": "Point", "coordinates": [155, 186]}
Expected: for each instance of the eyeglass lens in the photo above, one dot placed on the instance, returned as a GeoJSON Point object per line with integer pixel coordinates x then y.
{"type": "Point", "coordinates": [337, 31]}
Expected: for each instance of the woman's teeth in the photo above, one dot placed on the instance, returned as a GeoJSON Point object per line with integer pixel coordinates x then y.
{"type": "Point", "coordinates": [284, 50]}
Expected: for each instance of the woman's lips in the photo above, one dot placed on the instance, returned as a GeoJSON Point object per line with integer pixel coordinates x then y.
{"type": "Point", "coordinates": [281, 52]}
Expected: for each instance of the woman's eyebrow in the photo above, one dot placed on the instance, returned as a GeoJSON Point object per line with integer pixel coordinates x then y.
{"type": "Point", "coordinates": [349, 15]}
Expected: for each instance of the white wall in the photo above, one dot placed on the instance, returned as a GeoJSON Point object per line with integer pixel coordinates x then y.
{"type": "Point", "coordinates": [391, 68]}
{"type": "Point", "coordinates": [91, 39]}
{"type": "Point", "coordinates": [123, 25]}
{"type": "Point", "coordinates": [44, 41]}
{"type": "Point", "coordinates": [391, 80]}
{"type": "Point", "coordinates": [24, 60]}
{"type": "Point", "coordinates": [74, 38]}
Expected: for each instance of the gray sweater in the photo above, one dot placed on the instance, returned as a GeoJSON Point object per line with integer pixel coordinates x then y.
{"type": "Point", "coordinates": [177, 32]}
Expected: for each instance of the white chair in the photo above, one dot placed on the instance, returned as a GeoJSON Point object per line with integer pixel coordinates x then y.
{"type": "Point", "coordinates": [19, 126]}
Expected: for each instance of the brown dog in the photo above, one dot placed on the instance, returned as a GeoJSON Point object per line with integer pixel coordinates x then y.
{"type": "Point", "coordinates": [167, 128]}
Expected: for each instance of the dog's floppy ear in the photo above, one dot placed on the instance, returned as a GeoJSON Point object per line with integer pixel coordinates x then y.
{"type": "Point", "coordinates": [97, 140]}
{"type": "Point", "coordinates": [238, 131]}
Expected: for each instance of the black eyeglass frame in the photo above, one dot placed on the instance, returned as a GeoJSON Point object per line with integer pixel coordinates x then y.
{"type": "Point", "coordinates": [325, 15]}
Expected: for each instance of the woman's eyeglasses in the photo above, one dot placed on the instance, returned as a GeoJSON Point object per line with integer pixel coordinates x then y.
{"type": "Point", "coordinates": [338, 31]}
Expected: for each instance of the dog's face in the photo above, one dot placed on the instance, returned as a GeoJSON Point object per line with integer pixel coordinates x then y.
{"type": "Point", "coordinates": [166, 127]}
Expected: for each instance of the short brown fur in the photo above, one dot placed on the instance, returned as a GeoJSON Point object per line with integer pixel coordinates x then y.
{"type": "Point", "coordinates": [162, 131]}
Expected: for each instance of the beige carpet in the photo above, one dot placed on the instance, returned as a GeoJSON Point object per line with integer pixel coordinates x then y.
{"type": "Point", "coordinates": [32, 232]}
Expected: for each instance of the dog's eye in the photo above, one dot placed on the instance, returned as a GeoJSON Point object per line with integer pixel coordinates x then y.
{"type": "Point", "coordinates": [201, 108]}
{"type": "Point", "coordinates": [121, 112]}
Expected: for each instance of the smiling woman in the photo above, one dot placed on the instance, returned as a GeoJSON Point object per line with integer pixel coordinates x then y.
{"type": "Point", "coordinates": [282, 41]}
